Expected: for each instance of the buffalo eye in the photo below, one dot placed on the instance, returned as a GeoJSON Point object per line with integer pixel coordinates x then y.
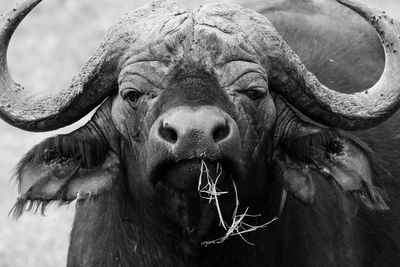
{"type": "Point", "coordinates": [253, 94]}
{"type": "Point", "coordinates": [131, 95]}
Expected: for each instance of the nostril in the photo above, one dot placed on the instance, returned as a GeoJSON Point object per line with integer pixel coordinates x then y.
{"type": "Point", "coordinates": [168, 133]}
{"type": "Point", "coordinates": [221, 132]}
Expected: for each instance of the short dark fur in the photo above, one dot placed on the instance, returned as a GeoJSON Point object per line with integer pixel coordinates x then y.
{"type": "Point", "coordinates": [191, 83]}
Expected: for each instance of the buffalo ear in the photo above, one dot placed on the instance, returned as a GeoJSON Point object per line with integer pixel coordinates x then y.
{"type": "Point", "coordinates": [335, 156]}
{"type": "Point", "coordinates": [295, 177]}
{"type": "Point", "coordinates": [64, 168]}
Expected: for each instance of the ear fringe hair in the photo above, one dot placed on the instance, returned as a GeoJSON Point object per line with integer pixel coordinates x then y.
{"type": "Point", "coordinates": [62, 148]}
{"type": "Point", "coordinates": [34, 205]}
{"type": "Point", "coordinates": [26, 205]}
{"type": "Point", "coordinates": [372, 197]}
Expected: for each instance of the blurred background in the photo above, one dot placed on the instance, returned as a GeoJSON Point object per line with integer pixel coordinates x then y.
{"type": "Point", "coordinates": [47, 50]}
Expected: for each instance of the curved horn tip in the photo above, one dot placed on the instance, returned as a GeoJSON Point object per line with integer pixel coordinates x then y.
{"type": "Point", "coordinates": [28, 3]}
{"type": "Point", "coordinates": [364, 10]}
{"type": "Point", "coordinates": [386, 27]}
{"type": "Point", "coordinates": [360, 110]}
{"type": "Point", "coordinates": [16, 14]}
{"type": "Point", "coordinates": [20, 8]}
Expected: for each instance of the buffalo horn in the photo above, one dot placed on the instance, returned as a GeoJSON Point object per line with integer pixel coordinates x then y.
{"type": "Point", "coordinates": [357, 111]}
{"type": "Point", "coordinates": [50, 111]}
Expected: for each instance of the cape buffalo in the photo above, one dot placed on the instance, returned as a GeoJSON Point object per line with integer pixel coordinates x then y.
{"type": "Point", "coordinates": [210, 127]}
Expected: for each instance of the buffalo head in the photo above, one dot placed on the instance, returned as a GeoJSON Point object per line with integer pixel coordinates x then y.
{"type": "Point", "coordinates": [179, 90]}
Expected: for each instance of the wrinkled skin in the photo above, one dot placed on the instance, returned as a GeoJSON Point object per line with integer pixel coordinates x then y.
{"type": "Point", "coordinates": [185, 82]}
{"type": "Point", "coordinates": [189, 91]}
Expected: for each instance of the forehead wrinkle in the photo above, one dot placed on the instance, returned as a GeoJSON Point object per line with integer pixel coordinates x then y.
{"type": "Point", "coordinates": [231, 72]}
{"type": "Point", "coordinates": [237, 53]}
{"type": "Point", "coordinates": [207, 43]}
{"type": "Point", "coordinates": [150, 43]}
{"type": "Point", "coordinates": [148, 52]}
{"type": "Point", "coordinates": [215, 49]}
{"type": "Point", "coordinates": [237, 48]}
{"type": "Point", "coordinates": [174, 24]}
{"type": "Point", "coordinates": [153, 71]}
{"type": "Point", "coordinates": [213, 40]}
{"type": "Point", "coordinates": [214, 32]}
{"type": "Point", "coordinates": [229, 38]}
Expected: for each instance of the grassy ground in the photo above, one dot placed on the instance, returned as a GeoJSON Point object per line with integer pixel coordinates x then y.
{"type": "Point", "coordinates": [47, 50]}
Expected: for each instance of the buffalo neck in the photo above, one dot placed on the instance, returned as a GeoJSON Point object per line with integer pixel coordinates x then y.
{"type": "Point", "coordinates": [117, 231]}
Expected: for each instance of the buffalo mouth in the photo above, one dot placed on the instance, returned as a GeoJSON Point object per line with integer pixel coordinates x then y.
{"type": "Point", "coordinates": [180, 186]}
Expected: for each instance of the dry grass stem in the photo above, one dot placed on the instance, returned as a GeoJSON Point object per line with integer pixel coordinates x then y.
{"type": "Point", "coordinates": [210, 192]}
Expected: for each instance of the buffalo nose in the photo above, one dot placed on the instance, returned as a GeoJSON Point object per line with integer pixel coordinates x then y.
{"type": "Point", "coordinates": [192, 130]}
{"type": "Point", "coordinates": [201, 125]}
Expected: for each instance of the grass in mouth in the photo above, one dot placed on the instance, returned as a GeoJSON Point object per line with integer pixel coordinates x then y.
{"type": "Point", "coordinates": [210, 192]}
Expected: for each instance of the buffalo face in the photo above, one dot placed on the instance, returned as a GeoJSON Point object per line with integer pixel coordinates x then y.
{"type": "Point", "coordinates": [173, 116]}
